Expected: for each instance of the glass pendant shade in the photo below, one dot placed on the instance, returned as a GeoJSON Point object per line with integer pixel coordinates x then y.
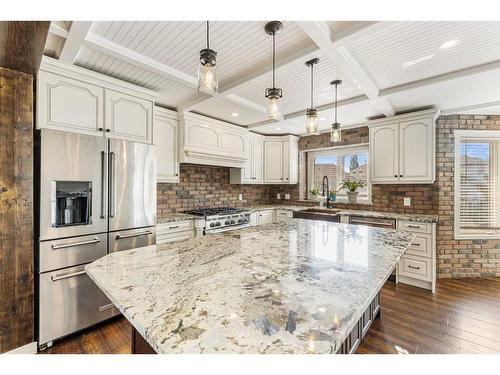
{"type": "Point", "coordinates": [312, 122]}
{"type": "Point", "coordinates": [274, 108]}
{"type": "Point", "coordinates": [208, 81]}
{"type": "Point", "coordinates": [335, 133]}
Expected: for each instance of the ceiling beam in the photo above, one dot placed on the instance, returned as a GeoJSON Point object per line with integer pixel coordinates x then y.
{"type": "Point", "coordinates": [319, 32]}
{"type": "Point", "coordinates": [74, 40]}
{"type": "Point", "coordinates": [470, 108]}
{"type": "Point", "coordinates": [132, 57]}
{"type": "Point", "coordinates": [245, 102]}
{"type": "Point", "coordinates": [477, 69]}
{"type": "Point", "coordinates": [58, 30]}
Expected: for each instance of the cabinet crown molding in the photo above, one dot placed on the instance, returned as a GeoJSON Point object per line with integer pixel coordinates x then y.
{"type": "Point", "coordinates": [55, 66]}
{"type": "Point", "coordinates": [434, 113]}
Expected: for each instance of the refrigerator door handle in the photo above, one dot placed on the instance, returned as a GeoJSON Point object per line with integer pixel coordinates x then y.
{"type": "Point", "coordinates": [104, 179]}
{"type": "Point", "coordinates": [112, 184]}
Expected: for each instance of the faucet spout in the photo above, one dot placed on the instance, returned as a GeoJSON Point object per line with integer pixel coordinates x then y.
{"type": "Point", "coordinates": [325, 179]}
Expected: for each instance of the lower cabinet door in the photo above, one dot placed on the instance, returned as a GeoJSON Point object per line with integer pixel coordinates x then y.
{"type": "Point", "coordinates": [69, 302]}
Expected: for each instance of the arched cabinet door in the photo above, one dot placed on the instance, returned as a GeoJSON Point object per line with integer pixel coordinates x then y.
{"type": "Point", "coordinates": [384, 158]}
{"type": "Point", "coordinates": [128, 118]}
{"type": "Point", "coordinates": [69, 105]}
{"type": "Point", "coordinates": [416, 150]}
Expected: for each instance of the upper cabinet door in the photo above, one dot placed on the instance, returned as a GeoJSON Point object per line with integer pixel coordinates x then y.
{"type": "Point", "coordinates": [294, 163]}
{"type": "Point", "coordinates": [258, 160]}
{"type": "Point", "coordinates": [273, 162]}
{"type": "Point", "coordinates": [69, 105]}
{"type": "Point", "coordinates": [128, 118]}
{"type": "Point", "coordinates": [247, 170]}
{"type": "Point", "coordinates": [384, 153]}
{"type": "Point", "coordinates": [416, 150]}
{"type": "Point", "coordinates": [165, 139]}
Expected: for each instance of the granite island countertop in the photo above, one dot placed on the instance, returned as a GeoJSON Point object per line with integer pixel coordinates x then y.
{"type": "Point", "coordinates": [292, 287]}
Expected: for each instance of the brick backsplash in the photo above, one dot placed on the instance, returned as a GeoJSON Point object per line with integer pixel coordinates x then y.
{"type": "Point", "coordinates": [206, 186]}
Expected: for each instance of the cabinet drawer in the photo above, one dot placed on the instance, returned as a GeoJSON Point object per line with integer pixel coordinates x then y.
{"type": "Point", "coordinates": [421, 245]}
{"type": "Point", "coordinates": [175, 237]}
{"type": "Point", "coordinates": [174, 226]}
{"type": "Point", "coordinates": [413, 226]}
{"type": "Point", "coordinates": [71, 251]}
{"type": "Point", "coordinates": [416, 267]}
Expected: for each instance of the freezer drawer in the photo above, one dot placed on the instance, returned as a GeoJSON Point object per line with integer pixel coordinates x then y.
{"type": "Point", "coordinates": [70, 301]}
{"type": "Point", "coordinates": [131, 239]}
{"type": "Point", "coordinates": [70, 252]}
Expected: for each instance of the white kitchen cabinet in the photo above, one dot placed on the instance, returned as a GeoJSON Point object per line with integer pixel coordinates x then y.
{"type": "Point", "coordinates": [165, 138]}
{"type": "Point", "coordinates": [175, 231]}
{"type": "Point", "coordinates": [69, 105]}
{"type": "Point", "coordinates": [384, 160]}
{"type": "Point", "coordinates": [251, 173]}
{"type": "Point", "coordinates": [281, 160]}
{"type": "Point", "coordinates": [127, 117]}
{"type": "Point", "coordinates": [262, 217]}
{"type": "Point", "coordinates": [273, 162]}
{"type": "Point", "coordinates": [402, 148]}
{"type": "Point", "coordinates": [74, 99]}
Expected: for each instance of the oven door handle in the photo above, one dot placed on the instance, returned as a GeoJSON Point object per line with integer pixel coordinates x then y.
{"type": "Point", "coordinates": [66, 245]}
{"type": "Point", "coordinates": [121, 236]}
{"type": "Point", "coordinates": [56, 277]}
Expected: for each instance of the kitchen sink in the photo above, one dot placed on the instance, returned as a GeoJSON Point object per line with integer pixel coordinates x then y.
{"type": "Point", "coordinates": [318, 214]}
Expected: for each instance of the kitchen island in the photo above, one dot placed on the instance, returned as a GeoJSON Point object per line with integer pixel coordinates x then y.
{"type": "Point", "coordinates": [292, 287]}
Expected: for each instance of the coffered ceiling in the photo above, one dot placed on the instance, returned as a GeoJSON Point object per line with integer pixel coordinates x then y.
{"type": "Point", "coordinates": [386, 67]}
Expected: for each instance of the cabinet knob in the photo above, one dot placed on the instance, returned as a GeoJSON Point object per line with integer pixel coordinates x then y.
{"type": "Point", "coordinates": [100, 129]}
{"type": "Point", "coordinates": [400, 175]}
{"type": "Point", "coordinates": [108, 130]}
{"type": "Point", "coordinates": [177, 174]}
{"type": "Point", "coordinates": [395, 175]}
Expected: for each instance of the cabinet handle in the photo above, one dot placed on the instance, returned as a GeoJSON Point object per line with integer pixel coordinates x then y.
{"type": "Point", "coordinates": [100, 129]}
{"type": "Point", "coordinates": [175, 227]}
{"type": "Point", "coordinates": [415, 268]}
{"type": "Point", "coordinates": [82, 243]}
{"type": "Point", "coordinates": [108, 130]}
{"type": "Point", "coordinates": [395, 175]}
{"type": "Point", "coordinates": [414, 226]}
{"type": "Point", "coordinates": [400, 175]}
{"type": "Point", "coordinates": [106, 307]}
{"type": "Point", "coordinates": [416, 244]}
{"type": "Point", "coordinates": [177, 174]}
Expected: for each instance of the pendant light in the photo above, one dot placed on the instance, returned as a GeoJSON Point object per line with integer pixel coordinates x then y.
{"type": "Point", "coordinates": [312, 113]}
{"type": "Point", "coordinates": [207, 70]}
{"type": "Point", "coordinates": [335, 132]}
{"type": "Point", "coordinates": [274, 95]}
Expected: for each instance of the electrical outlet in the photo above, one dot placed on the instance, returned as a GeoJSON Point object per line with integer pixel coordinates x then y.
{"type": "Point", "coordinates": [278, 196]}
{"type": "Point", "coordinates": [287, 196]}
{"type": "Point", "coordinates": [407, 201]}
{"type": "Point", "coordinates": [240, 197]}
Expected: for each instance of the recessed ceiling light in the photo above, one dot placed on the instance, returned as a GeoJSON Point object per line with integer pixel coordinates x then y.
{"type": "Point", "coordinates": [417, 61]}
{"type": "Point", "coordinates": [235, 114]}
{"type": "Point", "coordinates": [278, 128]}
{"type": "Point", "coordinates": [448, 44]}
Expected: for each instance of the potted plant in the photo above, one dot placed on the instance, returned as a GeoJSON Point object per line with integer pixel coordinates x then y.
{"type": "Point", "coordinates": [314, 193]}
{"type": "Point", "coordinates": [352, 186]}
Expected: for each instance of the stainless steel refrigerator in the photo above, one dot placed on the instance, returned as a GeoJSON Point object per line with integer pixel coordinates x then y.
{"type": "Point", "coordinates": [96, 196]}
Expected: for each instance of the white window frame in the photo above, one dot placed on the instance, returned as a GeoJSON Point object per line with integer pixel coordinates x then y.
{"type": "Point", "coordinates": [480, 135]}
{"type": "Point", "coordinates": [340, 151]}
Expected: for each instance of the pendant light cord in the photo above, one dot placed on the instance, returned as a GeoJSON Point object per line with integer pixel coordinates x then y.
{"type": "Point", "coordinates": [312, 85]}
{"type": "Point", "coordinates": [336, 102]}
{"type": "Point", "coordinates": [274, 60]}
{"type": "Point", "coordinates": [208, 35]}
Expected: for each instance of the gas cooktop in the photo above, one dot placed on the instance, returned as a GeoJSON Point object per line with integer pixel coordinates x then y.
{"type": "Point", "coordinates": [213, 211]}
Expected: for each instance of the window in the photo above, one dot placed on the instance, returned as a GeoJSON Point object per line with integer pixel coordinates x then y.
{"type": "Point", "coordinates": [477, 184]}
{"type": "Point", "coordinates": [339, 164]}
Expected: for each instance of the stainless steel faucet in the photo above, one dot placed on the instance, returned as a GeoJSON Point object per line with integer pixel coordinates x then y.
{"type": "Point", "coordinates": [325, 177]}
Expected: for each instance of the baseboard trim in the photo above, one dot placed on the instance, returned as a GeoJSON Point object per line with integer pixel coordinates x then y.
{"type": "Point", "coordinates": [30, 348]}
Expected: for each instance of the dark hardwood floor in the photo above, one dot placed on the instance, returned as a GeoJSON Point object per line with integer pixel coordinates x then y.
{"type": "Point", "coordinates": [463, 316]}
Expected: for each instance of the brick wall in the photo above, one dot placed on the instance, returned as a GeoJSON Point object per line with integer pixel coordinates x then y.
{"type": "Point", "coordinates": [460, 258]}
{"type": "Point", "coordinates": [206, 186]}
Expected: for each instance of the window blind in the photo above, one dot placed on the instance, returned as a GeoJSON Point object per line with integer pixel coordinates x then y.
{"type": "Point", "coordinates": [479, 187]}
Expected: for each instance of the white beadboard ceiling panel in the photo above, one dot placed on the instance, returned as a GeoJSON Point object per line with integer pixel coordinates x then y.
{"type": "Point", "coordinates": [411, 51]}
{"type": "Point", "coordinates": [295, 81]}
{"type": "Point", "coordinates": [453, 94]}
{"type": "Point", "coordinates": [172, 93]}
{"type": "Point", "coordinates": [222, 108]}
{"type": "Point", "coordinates": [241, 46]}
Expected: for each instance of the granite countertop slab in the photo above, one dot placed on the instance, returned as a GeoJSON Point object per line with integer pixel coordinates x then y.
{"type": "Point", "coordinates": [170, 218]}
{"type": "Point", "coordinates": [291, 287]}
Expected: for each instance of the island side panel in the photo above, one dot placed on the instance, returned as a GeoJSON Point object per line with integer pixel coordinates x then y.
{"type": "Point", "coordinates": [139, 344]}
